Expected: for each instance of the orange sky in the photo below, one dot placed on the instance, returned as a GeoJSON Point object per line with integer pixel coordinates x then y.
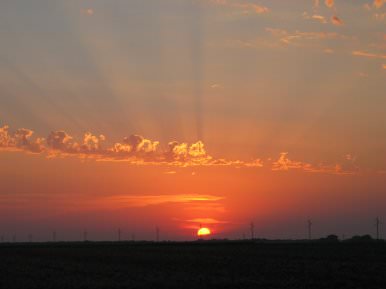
{"type": "Point", "coordinates": [176, 114]}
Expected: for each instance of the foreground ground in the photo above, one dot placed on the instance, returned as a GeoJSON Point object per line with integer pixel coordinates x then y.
{"type": "Point", "coordinates": [193, 265]}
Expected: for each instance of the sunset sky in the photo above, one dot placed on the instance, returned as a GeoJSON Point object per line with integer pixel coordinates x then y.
{"type": "Point", "coordinates": [134, 114]}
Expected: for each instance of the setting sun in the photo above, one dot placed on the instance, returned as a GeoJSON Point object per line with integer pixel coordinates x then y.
{"type": "Point", "coordinates": [203, 232]}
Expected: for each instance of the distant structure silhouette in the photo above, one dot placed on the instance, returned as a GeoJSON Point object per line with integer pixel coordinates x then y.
{"type": "Point", "coordinates": [377, 225]}
{"type": "Point", "coordinates": [157, 234]}
{"type": "Point", "coordinates": [119, 234]}
{"type": "Point", "coordinates": [85, 235]}
{"type": "Point", "coordinates": [309, 227]}
{"type": "Point", "coordinates": [252, 228]}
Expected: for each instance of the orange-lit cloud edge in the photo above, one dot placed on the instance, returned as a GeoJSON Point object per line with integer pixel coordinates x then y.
{"type": "Point", "coordinates": [137, 150]}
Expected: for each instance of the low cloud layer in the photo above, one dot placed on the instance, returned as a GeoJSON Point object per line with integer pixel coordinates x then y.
{"type": "Point", "coordinates": [137, 150]}
{"type": "Point", "coordinates": [244, 7]}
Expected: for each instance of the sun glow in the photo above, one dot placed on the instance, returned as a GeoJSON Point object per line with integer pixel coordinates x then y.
{"type": "Point", "coordinates": [203, 232]}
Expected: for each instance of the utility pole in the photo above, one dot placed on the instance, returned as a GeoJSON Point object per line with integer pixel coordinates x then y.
{"type": "Point", "coordinates": [377, 224]}
{"type": "Point", "coordinates": [157, 233]}
{"type": "Point", "coordinates": [252, 227]}
{"type": "Point", "coordinates": [309, 225]}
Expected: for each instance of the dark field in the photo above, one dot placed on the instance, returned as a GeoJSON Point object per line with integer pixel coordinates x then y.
{"type": "Point", "coordinates": [193, 265]}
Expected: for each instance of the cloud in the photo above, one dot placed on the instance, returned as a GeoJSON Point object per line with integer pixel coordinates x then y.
{"type": "Point", "coordinates": [258, 163]}
{"type": "Point", "coordinates": [346, 167]}
{"type": "Point", "coordinates": [315, 17]}
{"type": "Point", "coordinates": [380, 16]}
{"type": "Point", "coordinates": [367, 6]}
{"type": "Point", "coordinates": [244, 7]}
{"type": "Point", "coordinates": [378, 3]}
{"type": "Point", "coordinates": [319, 18]}
{"type": "Point", "coordinates": [60, 143]}
{"type": "Point", "coordinates": [336, 21]}
{"type": "Point", "coordinates": [137, 150]}
{"type": "Point", "coordinates": [215, 86]}
{"type": "Point", "coordinates": [170, 173]}
{"type": "Point", "coordinates": [282, 38]}
{"type": "Point", "coordinates": [362, 74]}
{"type": "Point", "coordinates": [328, 51]}
{"type": "Point", "coordinates": [20, 140]}
{"type": "Point", "coordinates": [368, 54]}
{"type": "Point", "coordinates": [300, 38]}
{"type": "Point", "coordinates": [329, 3]}
{"type": "Point", "coordinates": [285, 164]}
{"type": "Point", "coordinates": [133, 146]}
{"type": "Point", "coordinates": [384, 66]}
{"type": "Point", "coordinates": [209, 221]}
{"type": "Point", "coordinates": [89, 11]}
{"type": "Point", "coordinates": [153, 200]}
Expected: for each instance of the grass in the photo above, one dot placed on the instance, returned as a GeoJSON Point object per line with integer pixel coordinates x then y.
{"type": "Point", "coordinates": [193, 265]}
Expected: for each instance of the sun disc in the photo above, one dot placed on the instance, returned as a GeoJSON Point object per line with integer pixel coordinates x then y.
{"type": "Point", "coordinates": [203, 232]}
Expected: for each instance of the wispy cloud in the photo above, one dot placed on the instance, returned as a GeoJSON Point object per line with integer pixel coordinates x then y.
{"type": "Point", "coordinates": [244, 7]}
{"type": "Point", "coordinates": [315, 17]}
{"type": "Point", "coordinates": [336, 20]}
{"type": "Point", "coordinates": [206, 221]}
{"type": "Point", "coordinates": [215, 86]}
{"type": "Point", "coordinates": [152, 200]}
{"type": "Point", "coordinates": [302, 38]}
{"type": "Point", "coordinates": [368, 54]}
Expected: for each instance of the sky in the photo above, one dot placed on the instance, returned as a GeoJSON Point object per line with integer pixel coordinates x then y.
{"type": "Point", "coordinates": [176, 114]}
